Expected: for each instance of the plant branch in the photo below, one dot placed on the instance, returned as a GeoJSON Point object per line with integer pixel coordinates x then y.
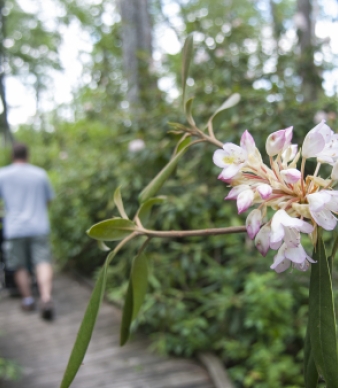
{"type": "Point", "coordinates": [193, 233]}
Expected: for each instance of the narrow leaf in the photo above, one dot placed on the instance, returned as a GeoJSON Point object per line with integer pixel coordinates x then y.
{"type": "Point", "coordinates": [111, 230]}
{"type": "Point", "coordinates": [136, 292]}
{"type": "Point", "coordinates": [145, 209]}
{"type": "Point", "coordinates": [310, 370]}
{"type": "Point", "coordinates": [155, 185]}
{"type": "Point", "coordinates": [86, 329]}
{"type": "Point", "coordinates": [182, 143]}
{"type": "Point", "coordinates": [322, 321]}
{"type": "Point", "coordinates": [139, 275]}
{"type": "Point", "coordinates": [229, 103]}
{"type": "Point", "coordinates": [186, 59]}
{"type": "Point", "coordinates": [188, 111]}
{"type": "Point", "coordinates": [119, 203]}
{"type": "Point", "coordinates": [127, 314]}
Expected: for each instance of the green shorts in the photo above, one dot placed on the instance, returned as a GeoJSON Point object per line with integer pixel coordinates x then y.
{"type": "Point", "coordinates": [26, 252]}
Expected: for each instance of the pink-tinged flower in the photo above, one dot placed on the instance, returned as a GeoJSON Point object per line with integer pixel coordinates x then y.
{"type": "Point", "coordinates": [264, 190]}
{"type": "Point", "coordinates": [244, 200]}
{"type": "Point", "coordinates": [247, 142]}
{"type": "Point", "coordinates": [286, 255]}
{"type": "Point", "coordinates": [231, 159]}
{"type": "Point", "coordinates": [316, 139]}
{"type": "Point", "coordinates": [235, 191]}
{"type": "Point", "coordinates": [287, 228]}
{"type": "Point", "coordinates": [278, 141]}
{"type": "Point", "coordinates": [253, 223]}
{"type": "Point", "coordinates": [291, 175]}
{"type": "Point", "coordinates": [262, 240]}
{"type": "Point", "coordinates": [321, 205]}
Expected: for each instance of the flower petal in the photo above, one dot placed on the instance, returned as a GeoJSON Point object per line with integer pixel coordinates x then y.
{"type": "Point", "coordinates": [235, 191]}
{"type": "Point", "coordinates": [325, 219]}
{"type": "Point", "coordinates": [253, 223]}
{"type": "Point", "coordinates": [244, 200]}
{"type": "Point", "coordinates": [313, 144]}
{"type": "Point", "coordinates": [264, 190]}
{"type": "Point", "coordinates": [296, 255]}
{"type": "Point", "coordinates": [248, 142]}
{"type": "Point", "coordinates": [229, 171]}
{"type": "Point", "coordinates": [291, 175]}
{"type": "Point", "coordinates": [275, 143]}
{"type": "Point", "coordinates": [262, 240]}
{"type": "Point", "coordinates": [304, 266]}
{"type": "Point", "coordinates": [292, 237]}
{"type": "Point", "coordinates": [334, 173]}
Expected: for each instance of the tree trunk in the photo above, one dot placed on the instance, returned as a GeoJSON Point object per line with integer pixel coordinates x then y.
{"type": "Point", "coordinates": [4, 125]}
{"type": "Point", "coordinates": [311, 80]}
{"type": "Point", "coordinates": [137, 48]}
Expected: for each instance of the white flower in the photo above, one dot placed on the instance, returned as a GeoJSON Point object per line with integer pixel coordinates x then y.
{"type": "Point", "coordinates": [321, 204]}
{"type": "Point", "coordinates": [322, 143]}
{"type": "Point", "coordinates": [231, 159]}
{"type": "Point", "coordinates": [287, 228]}
{"type": "Point", "coordinates": [247, 142]}
{"type": "Point", "coordinates": [286, 255]}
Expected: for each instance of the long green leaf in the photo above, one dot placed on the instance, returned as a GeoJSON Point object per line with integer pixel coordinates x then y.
{"type": "Point", "coordinates": [188, 111]}
{"type": "Point", "coordinates": [86, 329]}
{"type": "Point", "coordinates": [228, 103]}
{"type": "Point", "coordinates": [155, 185]}
{"type": "Point", "coordinates": [310, 370]}
{"type": "Point", "coordinates": [119, 203]}
{"type": "Point", "coordinates": [137, 288]}
{"type": "Point", "coordinates": [145, 209]}
{"type": "Point", "coordinates": [111, 230]}
{"type": "Point", "coordinates": [322, 321]}
{"type": "Point", "coordinates": [186, 59]}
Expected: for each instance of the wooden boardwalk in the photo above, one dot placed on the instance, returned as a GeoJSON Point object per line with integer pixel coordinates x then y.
{"type": "Point", "coordinates": [42, 349]}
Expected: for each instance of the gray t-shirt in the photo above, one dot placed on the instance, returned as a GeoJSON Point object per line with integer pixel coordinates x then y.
{"type": "Point", "coordinates": [25, 190]}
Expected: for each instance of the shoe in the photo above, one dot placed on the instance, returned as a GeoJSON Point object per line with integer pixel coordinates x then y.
{"type": "Point", "coordinates": [28, 306]}
{"type": "Point", "coordinates": [47, 311]}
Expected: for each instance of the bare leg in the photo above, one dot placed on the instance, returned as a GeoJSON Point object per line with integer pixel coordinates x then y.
{"type": "Point", "coordinates": [22, 279]}
{"type": "Point", "coordinates": [44, 275]}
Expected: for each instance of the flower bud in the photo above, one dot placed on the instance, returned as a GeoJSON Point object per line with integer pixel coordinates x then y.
{"type": "Point", "coordinates": [291, 175]}
{"type": "Point", "coordinates": [248, 142]}
{"type": "Point", "coordinates": [244, 200]}
{"type": "Point", "coordinates": [262, 240]}
{"type": "Point", "coordinates": [253, 223]}
{"type": "Point", "coordinates": [264, 190]}
{"type": "Point", "coordinates": [275, 143]}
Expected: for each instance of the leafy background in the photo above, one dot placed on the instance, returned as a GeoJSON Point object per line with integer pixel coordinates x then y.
{"type": "Point", "coordinates": [216, 293]}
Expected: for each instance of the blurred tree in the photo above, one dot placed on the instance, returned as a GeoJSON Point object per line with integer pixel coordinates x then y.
{"type": "Point", "coordinates": [305, 22]}
{"type": "Point", "coordinates": [136, 46]}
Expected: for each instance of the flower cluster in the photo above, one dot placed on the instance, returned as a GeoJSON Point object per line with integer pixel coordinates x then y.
{"type": "Point", "coordinates": [299, 203]}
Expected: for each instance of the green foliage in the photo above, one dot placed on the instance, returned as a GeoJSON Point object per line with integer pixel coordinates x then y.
{"type": "Point", "coordinates": [9, 370]}
{"type": "Point", "coordinates": [212, 293]}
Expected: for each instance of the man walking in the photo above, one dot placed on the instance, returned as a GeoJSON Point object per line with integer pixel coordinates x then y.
{"type": "Point", "coordinates": [26, 192]}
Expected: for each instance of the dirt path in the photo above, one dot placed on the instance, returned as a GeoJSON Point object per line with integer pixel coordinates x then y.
{"type": "Point", "coordinates": [42, 349]}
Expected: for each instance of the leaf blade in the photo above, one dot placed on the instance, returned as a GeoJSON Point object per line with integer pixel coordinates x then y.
{"type": "Point", "coordinates": [154, 186]}
{"type": "Point", "coordinates": [136, 292]}
{"type": "Point", "coordinates": [145, 209]}
{"type": "Point", "coordinates": [113, 229]}
{"type": "Point", "coordinates": [322, 321]}
{"type": "Point", "coordinates": [119, 203]}
{"type": "Point", "coordinates": [85, 331]}
{"type": "Point", "coordinates": [186, 60]}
